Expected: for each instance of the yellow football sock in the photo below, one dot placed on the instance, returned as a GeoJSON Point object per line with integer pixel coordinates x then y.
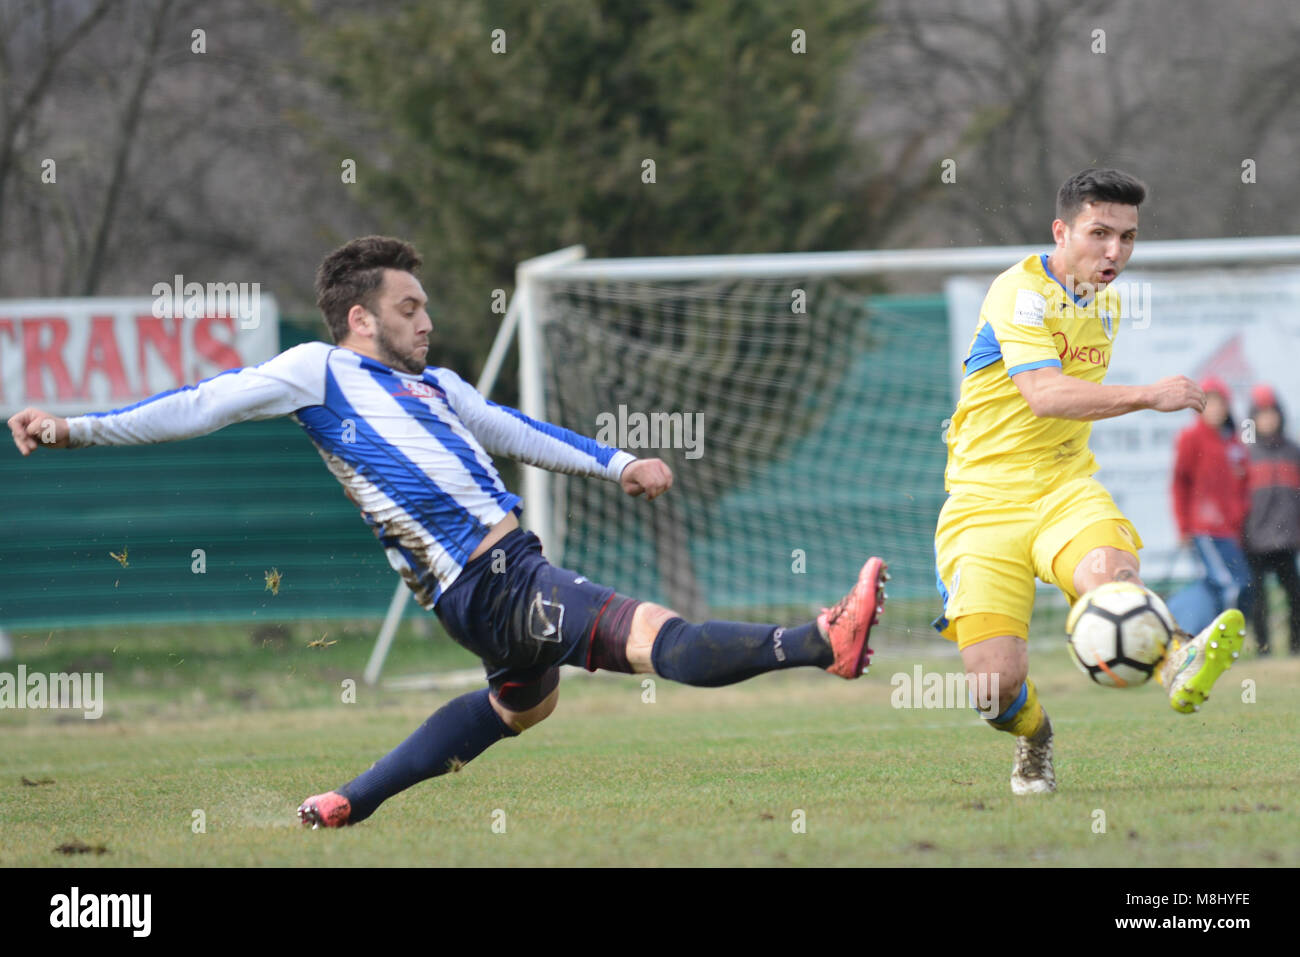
{"type": "Point", "coordinates": [1024, 716]}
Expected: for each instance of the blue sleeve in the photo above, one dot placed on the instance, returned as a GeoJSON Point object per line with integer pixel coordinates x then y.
{"type": "Point", "coordinates": [506, 431]}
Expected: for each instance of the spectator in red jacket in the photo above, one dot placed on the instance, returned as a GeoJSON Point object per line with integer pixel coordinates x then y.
{"type": "Point", "coordinates": [1211, 500]}
{"type": "Point", "coordinates": [1272, 535]}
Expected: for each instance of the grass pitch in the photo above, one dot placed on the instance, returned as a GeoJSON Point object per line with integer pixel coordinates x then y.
{"type": "Point", "coordinates": [217, 727]}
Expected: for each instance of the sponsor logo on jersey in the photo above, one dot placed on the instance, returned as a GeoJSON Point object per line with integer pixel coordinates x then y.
{"type": "Point", "coordinates": [1030, 309]}
{"type": "Point", "coordinates": [1089, 355]}
{"type": "Point", "coordinates": [419, 390]}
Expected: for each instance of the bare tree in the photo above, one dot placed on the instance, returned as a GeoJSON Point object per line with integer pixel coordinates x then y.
{"type": "Point", "coordinates": [127, 128]}
{"type": "Point", "coordinates": [1018, 94]}
{"type": "Point", "coordinates": [183, 144]}
{"type": "Point", "coordinates": [33, 40]}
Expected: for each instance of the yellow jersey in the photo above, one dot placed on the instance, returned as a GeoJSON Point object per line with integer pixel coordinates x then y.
{"type": "Point", "coordinates": [997, 447]}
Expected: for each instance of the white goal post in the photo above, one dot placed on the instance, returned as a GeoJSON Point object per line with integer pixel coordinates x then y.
{"type": "Point", "coordinates": [723, 338]}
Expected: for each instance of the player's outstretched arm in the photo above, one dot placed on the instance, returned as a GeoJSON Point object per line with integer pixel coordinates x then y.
{"type": "Point", "coordinates": [279, 386]}
{"type": "Point", "coordinates": [33, 428]}
{"type": "Point", "coordinates": [1052, 394]}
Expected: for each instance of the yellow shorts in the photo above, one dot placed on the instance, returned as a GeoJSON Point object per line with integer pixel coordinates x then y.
{"type": "Point", "coordinates": [988, 552]}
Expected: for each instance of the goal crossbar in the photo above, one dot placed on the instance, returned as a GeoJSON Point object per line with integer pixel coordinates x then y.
{"type": "Point", "coordinates": [1173, 252]}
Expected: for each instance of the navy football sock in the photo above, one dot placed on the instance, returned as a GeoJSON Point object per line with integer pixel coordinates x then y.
{"type": "Point", "coordinates": [455, 734]}
{"type": "Point", "coordinates": [720, 653]}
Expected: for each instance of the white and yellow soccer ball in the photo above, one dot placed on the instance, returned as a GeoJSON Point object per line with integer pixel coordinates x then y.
{"type": "Point", "coordinates": [1118, 633]}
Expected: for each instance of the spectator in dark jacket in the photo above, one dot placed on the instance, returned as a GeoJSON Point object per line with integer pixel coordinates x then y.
{"type": "Point", "coordinates": [1211, 500]}
{"type": "Point", "coordinates": [1272, 536]}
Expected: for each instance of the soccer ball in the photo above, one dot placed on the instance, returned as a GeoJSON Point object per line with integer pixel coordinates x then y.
{"type": "Point", "coordinates": [1118, 633]}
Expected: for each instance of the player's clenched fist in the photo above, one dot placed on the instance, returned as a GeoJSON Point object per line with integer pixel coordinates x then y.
{"type": "Point", "coordinates": [651, 476]}
{"type": "Point", "coordinates": [32, 427]}
{"type": "Point", "coordinates": [1176, 392]}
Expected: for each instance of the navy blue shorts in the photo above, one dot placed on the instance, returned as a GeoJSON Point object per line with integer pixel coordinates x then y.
{"type": "Point", "coordinates": [519, 613]}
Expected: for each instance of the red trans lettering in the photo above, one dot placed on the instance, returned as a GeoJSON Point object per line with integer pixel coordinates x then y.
{"type": "Point", "coordinates": [220, 354]}
{"type": "Point", "coordinates": [37, 358]}
{"type": "Point", "coordinates": [102, 356]}
{"type": "Point", "coordinates": [6, 325]}
{"type": "Point", "coordinates": [152, 331]}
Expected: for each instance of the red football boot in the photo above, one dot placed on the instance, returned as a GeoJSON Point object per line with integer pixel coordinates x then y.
{"type": "Point", "coordinates": [848, 624]}
{"type": "Point", "coordinates": [330, 809]}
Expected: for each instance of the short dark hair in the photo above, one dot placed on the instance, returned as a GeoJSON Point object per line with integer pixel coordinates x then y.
{"type": "Point", "coordinates": [1095, 185]}
{"type": "Point", "coordinates": [353, 273]}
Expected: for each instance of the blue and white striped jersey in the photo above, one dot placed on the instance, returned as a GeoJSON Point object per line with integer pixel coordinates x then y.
{"type": "Point", "coordinates": [411, 451]}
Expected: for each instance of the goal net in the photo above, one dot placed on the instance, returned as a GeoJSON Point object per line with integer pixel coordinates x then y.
{"type": "Point", "coordinates": [802, 414]}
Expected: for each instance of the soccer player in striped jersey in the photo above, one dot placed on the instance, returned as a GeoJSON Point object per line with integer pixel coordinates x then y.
{"type": "Point", "coordinates": [412, 447]}
{"type": "Point", "coordinates": [1022, 498]}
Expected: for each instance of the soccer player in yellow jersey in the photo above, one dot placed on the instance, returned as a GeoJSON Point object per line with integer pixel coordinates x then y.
{"type": "Point", "coordinates": [1023, 502]}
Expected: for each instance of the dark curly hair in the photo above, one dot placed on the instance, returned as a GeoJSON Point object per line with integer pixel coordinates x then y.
{"type": "Point", "coordinates": [353, 273]}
